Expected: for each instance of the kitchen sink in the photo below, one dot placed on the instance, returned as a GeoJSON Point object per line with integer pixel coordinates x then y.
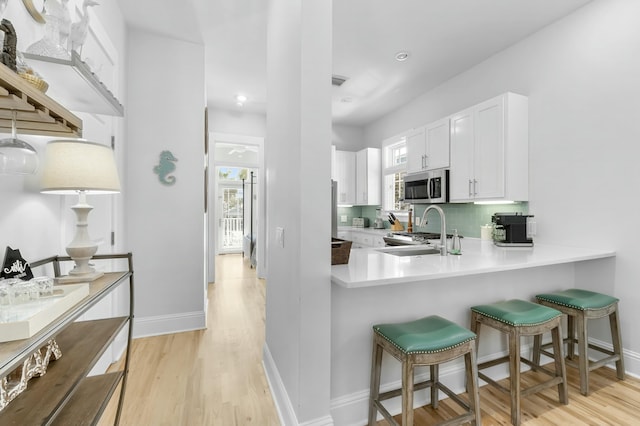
{"type": "Point", "coordinates": [411, 251]}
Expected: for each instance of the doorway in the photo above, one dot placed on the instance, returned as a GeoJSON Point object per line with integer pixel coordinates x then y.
{"type": "Point", "coordinates": [230, 207]}
{"type": "Point", "coordinates": [237, 224]}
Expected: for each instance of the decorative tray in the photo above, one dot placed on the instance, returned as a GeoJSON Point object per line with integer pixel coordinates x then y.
{"type": "Point", "coordinates": [23, 320]}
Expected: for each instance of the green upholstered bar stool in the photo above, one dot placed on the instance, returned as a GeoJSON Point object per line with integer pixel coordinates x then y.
{"type": "Point", "coordinates": [428, 341]}
{"type": "Point", "coordinates": [580, 306]}
{"type": "Point", "coordinates": [518, 318]}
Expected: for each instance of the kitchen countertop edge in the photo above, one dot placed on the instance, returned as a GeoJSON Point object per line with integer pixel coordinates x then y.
{"type": "Point", "coordinates": [340, 274]}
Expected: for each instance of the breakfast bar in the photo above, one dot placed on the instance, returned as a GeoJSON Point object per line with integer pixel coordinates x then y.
{"type": "Point", "coordinates": [379, 286]}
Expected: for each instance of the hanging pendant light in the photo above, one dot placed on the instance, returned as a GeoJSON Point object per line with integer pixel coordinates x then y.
{"type": "Point", "coordinates": [16, 156]}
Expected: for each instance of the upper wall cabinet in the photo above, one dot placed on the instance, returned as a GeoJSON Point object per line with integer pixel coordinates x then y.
{"type": "Point", "coordinates": [428, 147]}
{"type": "Point", "coordinates": [368, 176]}
{"type": "Point", "coordinates": [489, 151]}
{"type": "Point", "coordinates": [359, 176]}
{"type": "Point", "coordinates": [37, 114]}
{"type": "Point", "coordinates": [345, 175]}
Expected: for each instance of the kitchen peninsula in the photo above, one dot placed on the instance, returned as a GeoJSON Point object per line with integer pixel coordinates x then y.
{"type": "Point", "coordinates": [378, 287]}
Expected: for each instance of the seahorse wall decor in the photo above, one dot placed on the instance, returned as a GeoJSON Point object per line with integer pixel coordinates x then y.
{"type": "Point", "coordinates": [165, 167]}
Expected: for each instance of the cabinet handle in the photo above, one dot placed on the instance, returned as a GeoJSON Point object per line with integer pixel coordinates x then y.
{"type": "Point", "coordinates": [470, 193]}
{"type": "Point", "coordinates": [475, 187]}
{"type": "Point", "coordinates": [426, 161]}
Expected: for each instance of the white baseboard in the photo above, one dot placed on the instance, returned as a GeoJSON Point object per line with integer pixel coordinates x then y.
{"type": "Point", "coordinates": [631, 359]}
{"type": "Point", "coordinates": [286, 413]}
{"type": "Point", "coordinates": [321, 421]}
{"type": "Point", "coordinates": [168, 324]}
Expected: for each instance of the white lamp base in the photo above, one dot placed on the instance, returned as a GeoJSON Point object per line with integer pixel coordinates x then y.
{"type": "Point", "coordinates": [81, 249]}
{"type": "Point", "coordinates": [80, 278]}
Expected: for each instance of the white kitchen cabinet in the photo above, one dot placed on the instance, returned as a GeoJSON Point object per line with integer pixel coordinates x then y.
{"type": "Point", "coordinates": [437, 134]}
{"type": "Point", "coordinates": [345, 235]}
{"type": "Point", "coordinates": [363, 238]}
{"type": "Point", "coordinates": [368, 176]}
{"type": "Point", "coordinates": [428, 147]}
{"type": "Point", "coordinates": [416, 150]}
{"type": "Point", "coordinates": [489, 151]}
{"type": "Point", "coordinates": [345, 175]}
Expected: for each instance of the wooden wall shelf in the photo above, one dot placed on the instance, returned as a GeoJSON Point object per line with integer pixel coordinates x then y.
{"type": "Point", "coordinates": [74, 84]}
{"type": "Point", "coordinates": [37, 113]}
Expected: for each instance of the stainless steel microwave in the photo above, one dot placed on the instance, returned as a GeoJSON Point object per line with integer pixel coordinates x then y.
{"type": "Point", "coordinates": [427, 187]}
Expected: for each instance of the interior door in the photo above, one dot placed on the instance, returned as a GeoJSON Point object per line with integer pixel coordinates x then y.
{"type": "Point", "coordinates": [230, 217]}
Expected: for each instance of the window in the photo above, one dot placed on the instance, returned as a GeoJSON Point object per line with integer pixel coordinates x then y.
{"type": "Point", "coordinates": [394, 191]}
{"type": "Point", "coordinates": [399, 154]}
{"type": "Point", "coordinates": [232, 173]}
{"type": "Point", "coordinates": [394, 169]}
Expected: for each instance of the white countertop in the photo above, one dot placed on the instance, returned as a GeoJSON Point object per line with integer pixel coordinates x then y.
{"type": "Point", "coordinates": [374, 231]}
{"type": "Point", "coordinates": [370, 267]}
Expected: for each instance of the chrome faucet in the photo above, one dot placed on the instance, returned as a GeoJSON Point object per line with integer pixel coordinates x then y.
{"type": "Point", "coordinates": [443, 226]}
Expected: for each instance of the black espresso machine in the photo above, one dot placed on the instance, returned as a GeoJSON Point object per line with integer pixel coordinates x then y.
{"type": "Point", "coordinates": [510, 230]}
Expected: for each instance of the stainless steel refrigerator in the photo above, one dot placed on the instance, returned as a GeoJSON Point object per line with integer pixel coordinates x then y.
{"type": "Point", "coordinates": [334, 209]}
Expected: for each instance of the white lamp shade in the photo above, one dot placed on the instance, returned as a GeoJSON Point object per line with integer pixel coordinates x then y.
{"type": "Point", "coordinates": [74, 165]}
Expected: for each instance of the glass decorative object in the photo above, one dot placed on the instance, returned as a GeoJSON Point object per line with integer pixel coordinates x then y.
{"type": "Point", "coordinates": [17, 157]}
{"type": "Point", "coordinates": [56, 17]}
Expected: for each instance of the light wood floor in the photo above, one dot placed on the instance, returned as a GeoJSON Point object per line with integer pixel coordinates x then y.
{"type": "Point", "coordinates": [209, 377]}
{"type": "Point", "coordinates": [611, 402]}
{"type": "Point", "coordinates": [215, 376]}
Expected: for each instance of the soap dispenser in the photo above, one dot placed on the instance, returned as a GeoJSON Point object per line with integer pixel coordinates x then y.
{"type": "Point", "coordinates": [456, 246]}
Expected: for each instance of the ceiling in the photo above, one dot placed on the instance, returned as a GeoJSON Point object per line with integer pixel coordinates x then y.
{"type": "Point", "coordinates": [443, 38]}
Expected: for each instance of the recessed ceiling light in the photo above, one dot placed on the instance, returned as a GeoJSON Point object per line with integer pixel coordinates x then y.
{"type": "Point", "coordinates": [402, 56]}
{"type": "Point", "coordinates": [240, 100]}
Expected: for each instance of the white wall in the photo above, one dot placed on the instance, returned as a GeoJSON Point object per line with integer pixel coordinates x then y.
{"type": "Point", "coordinates": [41, 225]}
{"type": "Point", "coordinates": [297, 352]}
{"type": "Point", "coordinates": [29, 220]}
{"type": "Point", "coordinates": [237, 122]}
{"type": "Point", "coordinates": [348, 138]}
{"type": "Point", "coordinates": [581, 77]}
{"type": "Point", "coordinates": [165, 224]}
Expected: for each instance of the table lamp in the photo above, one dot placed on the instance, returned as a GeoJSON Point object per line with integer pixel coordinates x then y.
{"type": "Point", "coordinates": [77, 166]}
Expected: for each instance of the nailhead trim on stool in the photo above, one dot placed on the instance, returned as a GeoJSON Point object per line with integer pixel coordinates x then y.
{"type": "Point", "coordinates": [581, 305]}
{"type": "Point", "coordinates": [427, 341]}
{"type": "Point", "coordinates": [518, 318]}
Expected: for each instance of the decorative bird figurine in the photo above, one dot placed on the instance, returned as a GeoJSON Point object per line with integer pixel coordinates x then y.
{"type": "Point", "coordinates": [79, 29]}
{"type": "Point", "coordinates": [3, 6]}
{"type": "Point", "coordinates": [65, 24]}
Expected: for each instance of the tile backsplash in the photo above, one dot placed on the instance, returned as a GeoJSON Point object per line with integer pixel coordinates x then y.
{"type": "Point", "coordinates": [466, 218]}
